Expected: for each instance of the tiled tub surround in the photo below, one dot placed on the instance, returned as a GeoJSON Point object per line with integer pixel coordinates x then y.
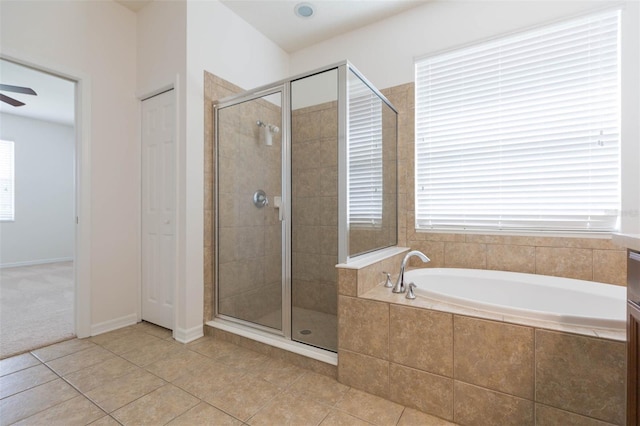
{"type": "Point", "coordinates": [470, 370]}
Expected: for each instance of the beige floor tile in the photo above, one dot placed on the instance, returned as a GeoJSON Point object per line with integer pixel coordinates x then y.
{"type": "Point", "coordinates": [62, 349]}
{"type": "Point", "coordinates": [79, 360]}
{"type": "Point", "coordinates": [210, 379]}
{"type": "Point", "coordinates": [373, 409]}
{"type": "Point", "coordinates": [34, 400]}
{"type": "Point", "coordinates": [16, 363]}
{"type": "Point", "coordinates": [121, 391]}
{"type": "Point", "coordinates": [157, 408]}
{"type": "Point", "coordinates": [129, 342]}
{"type": "Point", "coordinates": [340, 418]}
{"type": "Point", "coordinates": [411, 417]}
{"type": "Point", "coordinates": [178, 363]}
{"type": "Point", "coordinates": [151, 352]}
{"type": "Point", "coordinates": [25, 379]}
{"type": "Point", "coordinates": [321, 388]}
{"type": "Point", "coordinates": [293, 409]}
{"type": "Point", "coordinates": [154, 330]}
{"type": "Point", "coordinates": [91, 377]}
{"type": "Point", "coordinates": [106, 338]}
{"type": "Point", "coordinates": [204, 414]}
{"type": "Point", "coordinates": [105, 421]}
{"type": "Point", "coordinates": [244, 398]}
{"type": "Point", "coordinates": [213, 348]}
{"type": "Point", "coordinates": [75, 411]}
{"type": "Point", "coordinates": [242, 358]}
{"type": "Point", "coordinates": [278, 372]}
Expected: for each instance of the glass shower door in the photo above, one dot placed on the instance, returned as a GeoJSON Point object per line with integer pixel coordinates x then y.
{"type": "Point", "coordinates": [250, 229]}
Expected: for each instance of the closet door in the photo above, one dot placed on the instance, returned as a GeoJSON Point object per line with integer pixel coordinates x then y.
{"type": "Point", "coordinates": [159, 209]}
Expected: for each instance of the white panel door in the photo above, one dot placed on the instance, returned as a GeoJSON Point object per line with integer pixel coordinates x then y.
{"type": "Point", "coordinates": [158, 209]}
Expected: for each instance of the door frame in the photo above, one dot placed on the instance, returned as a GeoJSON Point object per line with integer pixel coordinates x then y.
{"type": "Point", "coordinates": [284, 89]}
{"type": "Point", "coordinates": [82, 183]}
{"type": "Point", "coordinates": [172, 86]}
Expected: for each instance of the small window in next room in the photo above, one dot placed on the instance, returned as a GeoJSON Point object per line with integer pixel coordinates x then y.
{"type": "Point", "coordinates": [7, 162]}
{"type": "Point", "coordinates": [521, 133]}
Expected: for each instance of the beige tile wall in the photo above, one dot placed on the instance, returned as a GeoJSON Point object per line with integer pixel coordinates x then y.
{"type": "Point", "coordinates": [314, 200]}
{"type": "Point", "coordinates": [582, 258]}
{"type": "Point", "coordinates": [474, 371]}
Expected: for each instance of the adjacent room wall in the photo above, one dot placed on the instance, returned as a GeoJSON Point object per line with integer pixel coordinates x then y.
{"type": "Point", "coordinates": [44, 192]}
{"type": "Point", "coordinates": [95, 40]}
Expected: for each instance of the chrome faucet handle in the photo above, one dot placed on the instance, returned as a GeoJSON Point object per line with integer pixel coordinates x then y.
{"type": "Point", "coordinates": [410, 294]}
{"type": "Point", "coordinates": [388, 283]}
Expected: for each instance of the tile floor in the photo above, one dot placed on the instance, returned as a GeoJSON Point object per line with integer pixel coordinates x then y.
{"type": "Point", "coordinates": [139, 375]}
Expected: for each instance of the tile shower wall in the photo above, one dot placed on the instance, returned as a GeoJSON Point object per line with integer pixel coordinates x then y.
{"type": "Point", "coordinates": [314, 180]}
{"type": "Point", "coordinates": [581, 258]}
{"type": "Point", "coordinates": [214, 88]}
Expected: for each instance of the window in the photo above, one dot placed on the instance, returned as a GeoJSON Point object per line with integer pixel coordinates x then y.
{"type": "Point", "coordinates": [522, 132]}
{"type": "Point", "coordinates": [365, 154]}
{"type": "Point", "coordinates": [7, 161]}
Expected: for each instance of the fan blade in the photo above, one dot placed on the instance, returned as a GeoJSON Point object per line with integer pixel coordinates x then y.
{"type": "Point", "coordinates": [18, 89]}
{"type": "Point", "coordinates": [10, 101]}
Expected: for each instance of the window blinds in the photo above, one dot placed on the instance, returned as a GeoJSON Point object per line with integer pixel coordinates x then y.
{"type": "Point", "coordinates": [6, 180]}
{"type": "Point", "coordinates": [364, 154]}
{"type": "Point", "coordinates": [522, 132]}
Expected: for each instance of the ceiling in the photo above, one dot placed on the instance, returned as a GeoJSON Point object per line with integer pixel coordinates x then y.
{"type": "Point", "coordinates": [273, 18]}
{"type": "Point", "coordinates": [55, 95]}
{"type": "Point", "coordinates": [277, 21]}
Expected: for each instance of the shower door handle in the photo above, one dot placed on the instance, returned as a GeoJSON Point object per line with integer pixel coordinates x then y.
{"type": "Point", "coordinates": [277, 203]}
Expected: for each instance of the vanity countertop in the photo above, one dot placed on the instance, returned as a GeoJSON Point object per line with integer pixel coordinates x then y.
{"type": "Point", "coordinates": [631, 241]}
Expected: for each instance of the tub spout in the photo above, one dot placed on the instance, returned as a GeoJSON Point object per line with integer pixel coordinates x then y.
{"type": "Point", "coordinates": [399, 287]}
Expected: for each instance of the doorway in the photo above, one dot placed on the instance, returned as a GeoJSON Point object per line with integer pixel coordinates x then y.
{"type": "Point", "coordinates": [37, 208]}
{"type": "Point", "coordinates": [159, 209]}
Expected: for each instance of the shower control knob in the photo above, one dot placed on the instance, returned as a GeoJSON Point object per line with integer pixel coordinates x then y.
{"type": "Point", "coordinates": [260, 199]}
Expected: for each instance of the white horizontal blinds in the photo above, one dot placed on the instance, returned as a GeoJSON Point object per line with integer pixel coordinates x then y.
{"type": "Point", "coordinates": [364, 154]}
{"type": "Point", "coordinates": [522, 132]}
{"type": "Point", "coordinates": [7, 161]}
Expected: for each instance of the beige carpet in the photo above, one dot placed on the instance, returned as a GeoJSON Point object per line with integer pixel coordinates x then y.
{"type": "Point", "coordinates": [36, 306]}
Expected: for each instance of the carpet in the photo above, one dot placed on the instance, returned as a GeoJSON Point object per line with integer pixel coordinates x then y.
{"type": "Point", "coordinates": [36, 306]}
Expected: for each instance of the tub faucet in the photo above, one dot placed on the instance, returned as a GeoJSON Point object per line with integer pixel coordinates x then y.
{"type": "Point", "coordinates": [399, 287]}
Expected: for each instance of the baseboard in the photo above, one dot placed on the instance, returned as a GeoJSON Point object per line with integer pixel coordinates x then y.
{"type": "Point", "coordinates": [114, 324]}
{"type": "Point", "coordinates": [35, 262]}
{"type": "Point", "coordinates": [188, 335]}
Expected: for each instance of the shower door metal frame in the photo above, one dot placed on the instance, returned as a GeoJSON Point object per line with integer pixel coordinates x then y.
{"type": "Point", "coordinates": [283, 88]}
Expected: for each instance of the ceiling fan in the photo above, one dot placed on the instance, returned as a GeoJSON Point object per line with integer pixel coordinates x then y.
{"type": "Point", "coordinates": [16, 89]}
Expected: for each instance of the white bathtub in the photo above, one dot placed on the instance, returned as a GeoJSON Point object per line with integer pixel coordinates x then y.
{"type": "Point", "coordinates": [537, 297]}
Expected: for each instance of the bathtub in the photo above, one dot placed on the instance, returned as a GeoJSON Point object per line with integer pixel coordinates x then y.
{"type": "Point", "coordinates": [567, 302]}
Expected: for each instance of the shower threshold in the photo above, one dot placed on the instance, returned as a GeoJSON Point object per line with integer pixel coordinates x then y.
{"type": "Point", "coordinates": [276, 341]}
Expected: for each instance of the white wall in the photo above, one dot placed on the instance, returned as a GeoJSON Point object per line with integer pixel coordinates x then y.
{"type": "Point", "coordinates": [95, 41]}
{"type": "Point", "coordinates": [385, 52]}
{"type": "Point", "coordinates": [43, 229]}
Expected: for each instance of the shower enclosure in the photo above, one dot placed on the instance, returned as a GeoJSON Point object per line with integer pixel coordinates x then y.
{"type": "Point", "coordinates": [306, 178]}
